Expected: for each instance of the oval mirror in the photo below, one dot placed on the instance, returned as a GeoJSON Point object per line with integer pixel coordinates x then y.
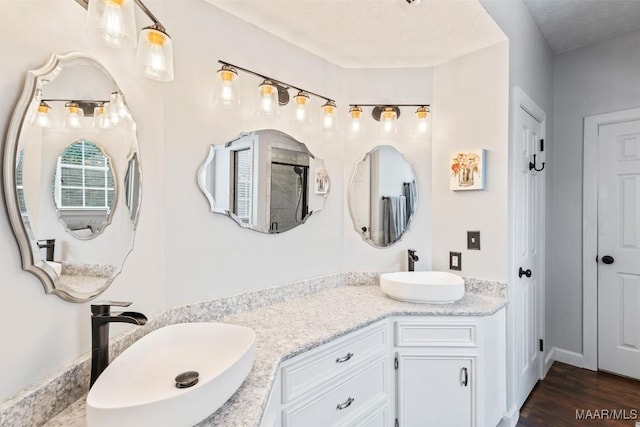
{"type": "Point", "coordinates": [382, 196]}
{"type": "Point", "coordinates": [264, 180]}
{"type": "Point", "coordinates": [72, 176]}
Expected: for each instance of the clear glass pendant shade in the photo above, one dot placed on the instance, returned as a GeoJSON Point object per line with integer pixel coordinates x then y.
{"type": "Point", "coordinates": [73, 115]}
{"type": "Point", "coordinates": [42, 115]}
{"type": "Point", "coordinates": [329, 117]}
{"type": "Point", "coordinates": [356, 125]}
{"type": "Point", "coordinates": [388, 121]}
{"type": "Point", "coordinates": [227, 92]}
{"type": "Point", "coordinates": [301, 109]}
{"type": "Point", "coordinates": [268, 99]}
{"type": "Point", "coordinates": [421, 121]}
{"type": "Point", "coordinates": [113, 21]}
{"type": "Point", "coordinates": [100, 117]}
{"type": "Point", "coordinates": [155, 54]}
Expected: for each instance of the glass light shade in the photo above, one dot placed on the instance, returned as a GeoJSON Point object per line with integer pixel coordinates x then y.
{"type": "Point", "coordinates": [227, 92]}
{"type": "Point", "coordinates": [100, 117]}
{"type": "Point", "coordinates": [268, 99]}
{"type": "Point", "coordinates": [301, 110]}
{"type": "Point", "coordinates": [329, 117]}
{"type": "Point", "coordinates": [115, 109]}
{"type": "Point", "coordinates": [73, 115]}
{"type": "Point", "coordinates": [155, 54]}
{"type": "Point", "coordinates": [113, 21]}
{"type": "Point", "coordinates": [356, 125]}
{"type": "Point", "coordinates": [421, 123]}
{"type": "Point", "coordinates": [388, 121]}
{"type": "Point", "coordinates": [42, 115]}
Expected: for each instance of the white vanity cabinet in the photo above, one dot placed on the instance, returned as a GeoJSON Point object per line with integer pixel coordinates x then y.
{"type": "Point", "coordinates": [409, 371]}
{"type": "Point", "coordinates": [344, 383]}
{"type": "Point", "coordinates": [450, 371]}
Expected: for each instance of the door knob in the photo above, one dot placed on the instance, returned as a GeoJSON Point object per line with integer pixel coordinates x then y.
{"type": "Point", "coordinates": [522, 272]}
{"type": "Point", "coordinates": [608, 259]}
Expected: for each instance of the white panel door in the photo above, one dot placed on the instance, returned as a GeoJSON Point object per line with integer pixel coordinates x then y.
{"type": "Point", "coordinates": [435, 391]}
{"type": "Point", "coordinates": [529, 234]}
{"type": "Point", "coordinates": [619, 241]}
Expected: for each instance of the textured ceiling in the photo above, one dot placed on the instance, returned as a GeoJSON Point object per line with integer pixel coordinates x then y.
{"type": "Point", "coordinates": [374, 33]}
{"type": "Point", "coordinates": [569, 24]}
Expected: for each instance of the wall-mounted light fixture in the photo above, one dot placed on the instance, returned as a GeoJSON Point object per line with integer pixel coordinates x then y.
{"type": "Point", "coordinates": [104, 113]}
{"type": "Point", "coordinates": [388, 116]}
{"type": "Point", "coordinates": [273, 94]}
{"type": "Point", "coordinates": [113, 22]}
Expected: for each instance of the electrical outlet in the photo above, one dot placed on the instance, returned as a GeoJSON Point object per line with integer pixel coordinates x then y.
{"type": "Point", "coordinates": [455, 261]}
{"type": "Point", "coordinates": [473, 240]}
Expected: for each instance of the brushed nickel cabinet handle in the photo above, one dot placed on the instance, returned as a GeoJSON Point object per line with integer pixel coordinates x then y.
{"type": "Point", "coordinates": [464, 377]}
{"type": "Point", "coordinates": [345, 404]}
{"type": "Point", "coordinates": [344, 358]}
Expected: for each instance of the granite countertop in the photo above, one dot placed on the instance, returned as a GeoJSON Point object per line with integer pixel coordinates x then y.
{"type": "Point", "coordinates": [288, 328]}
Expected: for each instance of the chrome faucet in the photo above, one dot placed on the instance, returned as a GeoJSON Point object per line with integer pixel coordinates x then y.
{"type": "Point", "coordinates": [413, 258]}
{"type": "Point", "coordinates": [101, 316]}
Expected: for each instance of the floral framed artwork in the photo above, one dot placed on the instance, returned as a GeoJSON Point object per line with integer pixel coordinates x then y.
{"type": "Point", "coordinates": [467, 170]}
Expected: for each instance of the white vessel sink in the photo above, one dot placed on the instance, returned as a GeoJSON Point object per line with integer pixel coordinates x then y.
{"type": "Point", "coordinates": [139, 389]}
{"type": "Point", "coordinates": [435, 287]}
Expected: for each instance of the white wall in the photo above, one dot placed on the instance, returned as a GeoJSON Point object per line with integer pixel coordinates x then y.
{"type": "Point", "coordinates": [597, 79]}
{"type": "Point", "coordinates": [207, 254]}
{"type": "Point", "coordinates": [40, 333]}
{"type": "Point", "coordinates": [182, 251]}
{"type": "Point", "coordinates": [414, 85]}
{"type": "Point", "coordinates": [530, 69]}
{"type": "Point", "coordinates": [471, 95]}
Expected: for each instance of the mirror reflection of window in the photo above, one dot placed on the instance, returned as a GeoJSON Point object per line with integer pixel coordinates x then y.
{"type": "Point", "coordinates": [243, 184]}
{"type": "Point", "coordinates": [19, 184]}
{"type": "Point", "coordinates": [84, 188]}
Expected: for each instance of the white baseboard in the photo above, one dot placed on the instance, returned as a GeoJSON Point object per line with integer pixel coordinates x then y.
{"type": "Point", "coordinates": [569, 357]}
{"type": "Point", "coordinates": [510, 419]}
{"type": "Point", "coordinates": [548, 361]}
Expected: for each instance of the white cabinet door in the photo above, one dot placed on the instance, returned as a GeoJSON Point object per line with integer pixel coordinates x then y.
{"type": "Point", "coordinates": [434, 391]}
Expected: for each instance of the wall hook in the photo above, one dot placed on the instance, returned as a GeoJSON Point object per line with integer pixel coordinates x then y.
{"type": "Point", "coordinates": [532, 165]}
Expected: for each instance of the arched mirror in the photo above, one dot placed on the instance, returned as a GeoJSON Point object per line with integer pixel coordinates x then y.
{"type": "Point", "coordinates": [72, 178]}
{"type": "Point", "coordinates": [382, 196]}
{"type": "Point", "coordinates": [264, 180]}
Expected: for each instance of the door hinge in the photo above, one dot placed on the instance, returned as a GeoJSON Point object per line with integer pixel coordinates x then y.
{"type": "Point", "coordinates": [397, 423]}
{"type": "Point", "coordinates": [395, 363]}
{"type": "Point", "coordinates": [541, 345]}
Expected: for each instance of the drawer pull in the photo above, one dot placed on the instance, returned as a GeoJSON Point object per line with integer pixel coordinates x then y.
{"type": "Point", "coordinates": [345, 404]}
{"type": "Point", "coordinates": [464, 377]}
{"type": "Point", "coordinates": [344, 358]}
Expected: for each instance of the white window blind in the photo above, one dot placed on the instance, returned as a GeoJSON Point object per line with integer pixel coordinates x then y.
{"type": "Point", "coordinates": [84, 178]}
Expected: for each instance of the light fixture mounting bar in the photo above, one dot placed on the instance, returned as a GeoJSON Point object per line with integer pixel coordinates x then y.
{"type": "Point", "coordinates": [389, 105]}
{"type": "Point", "coordinates": [145, 9]}
{"type": "Point", "coordinates": [149, 14]}
{"type": "Point", "coordinates": [279, 82]}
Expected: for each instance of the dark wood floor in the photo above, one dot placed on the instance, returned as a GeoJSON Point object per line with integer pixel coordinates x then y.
{"type": "Point", "coordinates": [565, 389]}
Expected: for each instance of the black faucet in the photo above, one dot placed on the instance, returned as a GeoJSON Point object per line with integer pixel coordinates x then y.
{"type": "Point", "coordinates": [101, 316]}
{"type": "Point", "coordinates": [413, 258]}
{"type": "Point", "coordinates": [50, 245]}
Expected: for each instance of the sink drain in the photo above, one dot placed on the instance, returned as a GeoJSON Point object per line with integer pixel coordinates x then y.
{"type": "Point", "coordinates": [187, 379]}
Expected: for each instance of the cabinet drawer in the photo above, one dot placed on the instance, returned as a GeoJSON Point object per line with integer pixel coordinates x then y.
{"type": "Point", "coordinates": [425, 333]}
{"type": "Point", "coordinates": [310, 370]}
{"type": "Point", "coordinates": [376, 416]}
{"type": "Point", "coordinates": [342, 402]}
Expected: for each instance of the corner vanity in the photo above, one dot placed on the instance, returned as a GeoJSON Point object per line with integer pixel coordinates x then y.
{"type": "Point", "coordinates": [400, 371]}
{"type": "Point", "coordinates": [336, 351]}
